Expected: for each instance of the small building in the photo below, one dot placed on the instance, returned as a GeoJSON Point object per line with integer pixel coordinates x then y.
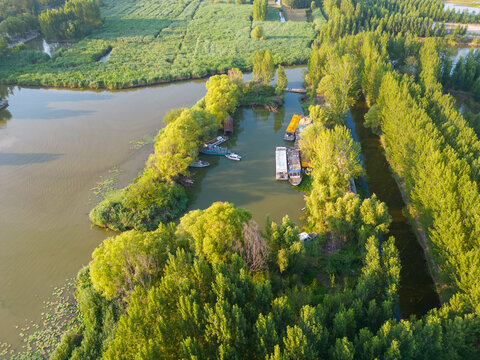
{"type": "Point", "coordinates": [281, 163]}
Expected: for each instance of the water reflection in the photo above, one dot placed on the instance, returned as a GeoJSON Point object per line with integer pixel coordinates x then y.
{"type": "Point", "coordinates": [251, 182]}
{"type": "Point", "coordinates": [417, 291]}
{"type": "Point", "coordinates": [461, 8]}
{"type": "Point", "coordinates": [18, 159]}
{"type": "Point", "coordinates": [5, 115]}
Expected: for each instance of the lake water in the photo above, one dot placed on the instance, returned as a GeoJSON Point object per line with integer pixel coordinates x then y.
{"type": "Point", "coordinates": [56, 145]}
{"type": "Point", "coordinates": [459, 7]}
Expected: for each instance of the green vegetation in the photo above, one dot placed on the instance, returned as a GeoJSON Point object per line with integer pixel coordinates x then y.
{"type": "Point", "coordinates": [163, 41]}
{"type": "Point", "coordinates": [159, 193]}
{"type": "Point", "coordinates": [215, 286]}
{"type": "Point", "coordinates": [260, 10]}
{"type": "Point", "coordinates": [73, 21]}
{"type": "Point", "coordinates": [10, 8]}
{"type": "Point", "coordinates": [257, 33]}
{"type": "Point", "coordinates": [19, 25]}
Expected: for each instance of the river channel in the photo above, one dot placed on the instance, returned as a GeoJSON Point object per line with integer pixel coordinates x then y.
{"type": "Point", "coordinates": [56, 145]}
{"type": "Point", "coordinates": [417, 292]}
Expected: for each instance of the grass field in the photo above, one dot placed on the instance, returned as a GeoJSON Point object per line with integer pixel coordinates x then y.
{"type": "Point", "coordinates": [157, 41]}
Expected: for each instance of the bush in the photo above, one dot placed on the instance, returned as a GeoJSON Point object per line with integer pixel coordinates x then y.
{"type": "Point", "coordinates": [257, 33]}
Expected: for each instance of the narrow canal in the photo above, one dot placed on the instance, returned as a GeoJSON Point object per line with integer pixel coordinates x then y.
{"type": "Point", "coordinates": [417, 291]}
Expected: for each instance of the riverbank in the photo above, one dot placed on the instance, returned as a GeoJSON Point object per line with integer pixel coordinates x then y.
{"type": "Point", "coordinates": [17, 41]}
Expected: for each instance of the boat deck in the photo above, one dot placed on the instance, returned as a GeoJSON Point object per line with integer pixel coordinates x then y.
{"type": "Point", "coordinates": [292, 127]}
{"type": "Point", "coordinates": [281, 163]}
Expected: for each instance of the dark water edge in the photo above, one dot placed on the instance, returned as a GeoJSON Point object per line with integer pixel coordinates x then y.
{"type": "Point", "coordinates": [417, 293]}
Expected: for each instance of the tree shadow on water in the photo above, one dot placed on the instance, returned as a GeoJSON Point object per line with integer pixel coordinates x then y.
{"type": "Point", "coordinates": [5, 115]}
{"type": "Point", "coordinates": [18, 159]}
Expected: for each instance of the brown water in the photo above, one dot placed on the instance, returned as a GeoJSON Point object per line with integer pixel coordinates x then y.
{"type": "Point", "coordinates": [56, 145]}
{"type": "Point", "coordinates": [417, 291]}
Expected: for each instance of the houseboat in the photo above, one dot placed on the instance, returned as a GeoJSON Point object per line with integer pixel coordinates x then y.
{"type": "Point", "coordinates": [292, 127]}
{"type": "Point", "coordinates": [281, 163]}
{"type": "Point", "coordinates": [294, 166]}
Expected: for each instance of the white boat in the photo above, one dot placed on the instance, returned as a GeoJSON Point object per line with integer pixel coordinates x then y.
{"type": "Point", "coordinates": [306, 237]}
{"type": "Point", "coordinates": [233, 156]}
{"type": "Point", "coordinates": [199, 164]}
{"type": "Point", "coordinates": [281, 163]}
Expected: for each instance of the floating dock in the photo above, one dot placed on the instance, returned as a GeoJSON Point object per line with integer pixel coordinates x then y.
{"type": "Point", "coordinates": [294, 166]}
{"type": "Point", "coordinates": [281, 163]}
{"type": "Point", "coordinates": [292, 127]}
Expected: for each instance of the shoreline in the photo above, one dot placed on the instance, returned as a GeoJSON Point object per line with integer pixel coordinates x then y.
{"type": "Point", "coordinates": [137, 86]}
{"type": "Point", "coordinates": [23, 40]}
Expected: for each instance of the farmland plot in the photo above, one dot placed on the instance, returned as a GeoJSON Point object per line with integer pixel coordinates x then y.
{"type": "Point", "coordinates": [155, 41]}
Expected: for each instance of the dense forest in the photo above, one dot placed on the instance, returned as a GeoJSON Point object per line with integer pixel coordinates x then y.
{"type": "Point", "coordinates": [214, 284]}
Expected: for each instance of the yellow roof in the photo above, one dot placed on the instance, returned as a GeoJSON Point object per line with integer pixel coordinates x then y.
{"type": "Point", "coordinates": [293, 123]}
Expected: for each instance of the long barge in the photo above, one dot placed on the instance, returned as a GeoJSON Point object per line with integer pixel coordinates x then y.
{"type": "Point", "coordinates": [294, 166]}
{"type": "Point", "coordinates": [281, 163]}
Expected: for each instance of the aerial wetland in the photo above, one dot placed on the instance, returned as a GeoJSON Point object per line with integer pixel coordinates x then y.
{"type": "Point", "coordinates": [142, 209]}
{"type": "Point", "coordinates": [56, 151]}
{"type": "Point", "coordinates": [52, 176]}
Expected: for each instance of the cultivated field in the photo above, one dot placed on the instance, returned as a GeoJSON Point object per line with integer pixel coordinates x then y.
{"type": "Point", "coordinates": [162, 40]}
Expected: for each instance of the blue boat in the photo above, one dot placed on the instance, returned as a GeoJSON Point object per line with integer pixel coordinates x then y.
{"type": "Point", "coordinates": [214, 150]}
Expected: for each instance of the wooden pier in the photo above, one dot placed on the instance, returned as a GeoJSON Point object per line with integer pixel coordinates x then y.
{"type": "Point", "coordinates": [298, 91]}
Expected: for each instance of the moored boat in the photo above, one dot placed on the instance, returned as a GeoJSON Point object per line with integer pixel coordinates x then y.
{"type": "Point", "coordinates": [3, 104]}
{"type": "Point", "coordinates": [216, 141]}
{"type": "Point", "coordinates": [294, 166]}
{"type": "Point", "coordinates": [281, 163]}
{"type": "Point", "coordinates": [304, 122]}
{"type": "Point", "coordinates": [233, 156]}
{"type": "Point", "coordinates": [214, 150]}
{"type": "Point", "coordinates": [199, 164]}
{"type": "Point", "coordinates": [291, 128]}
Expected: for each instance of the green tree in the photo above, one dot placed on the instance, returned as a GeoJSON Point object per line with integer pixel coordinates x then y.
{"type": "Point", "coordinates": [222, 97]}
{"type": "Point", "coordinates": [215, 232]}
{"type": "Point", "coordinates": [281, 79]}
{"type": "Point", "coordinates": [339, 86]}
{"type": "Point", "coordinates": [284, 243]}
{"type": "Point", "coordinates": [130, 259]}
{"type": "Point", "coordinates": [260, 10]}
{"type": "Point", "coordinates": [257, 33]}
